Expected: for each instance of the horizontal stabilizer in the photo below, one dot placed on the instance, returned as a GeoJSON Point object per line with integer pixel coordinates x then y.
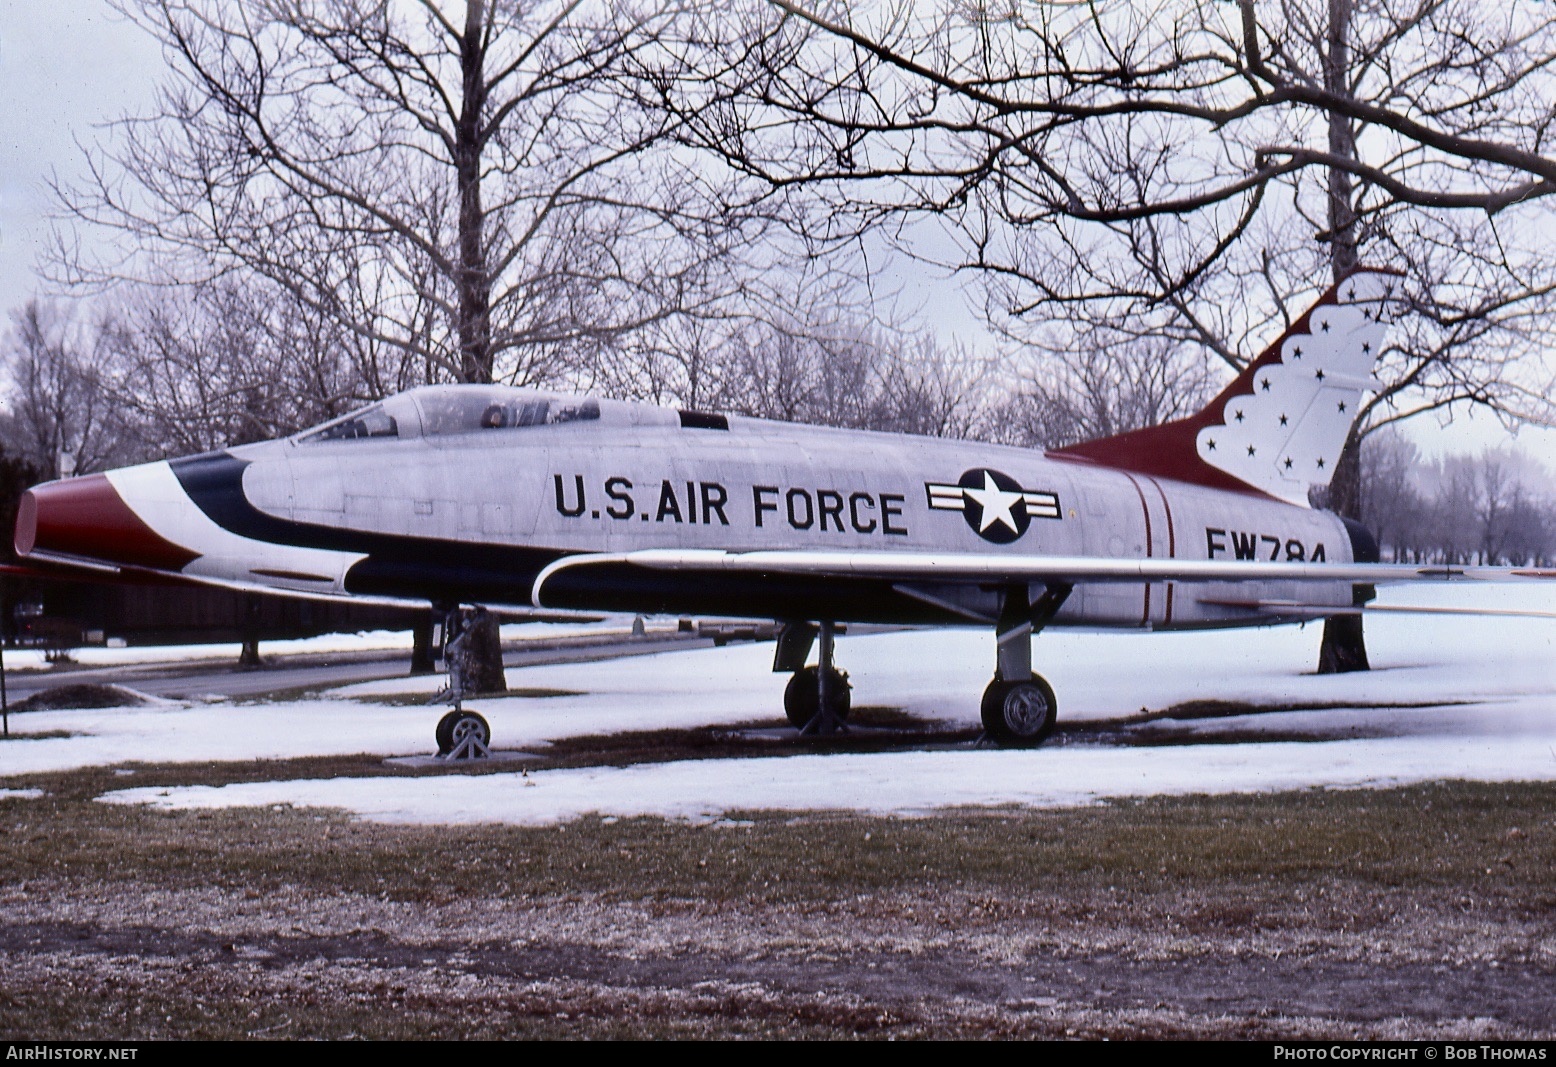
{"type": "Point", "coordinates": [1298, 609]}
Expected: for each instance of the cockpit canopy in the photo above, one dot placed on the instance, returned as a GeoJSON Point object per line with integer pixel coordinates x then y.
{"type": "Point", "coordinates": [446, 410]}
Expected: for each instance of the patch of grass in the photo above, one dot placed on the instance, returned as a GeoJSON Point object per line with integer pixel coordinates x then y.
{"type": "Point", "coordinates": [1496, 842]}
{"type": "Point", "coordinates": [87, 783]}
{"type": "Point", "coordinates": [82, 695]}
{"type": "Point", "coordinates": [1217, 870]}
{"type": "Point", "coordinates": [743, 740]}
{"type": "Point", "coordinates": [886, 717]}
{"type": "Point", "coordinates": [399, 700]}
{"type": "Point", "coordinates": [393, 700]}
{"type": "Point", "coordinates": [1223, 709]}
{"type": "Point", "coordinates": [285, 695]}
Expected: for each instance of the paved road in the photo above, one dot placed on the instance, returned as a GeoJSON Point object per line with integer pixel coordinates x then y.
{"type": "Point", "coordinates": [192, 678]}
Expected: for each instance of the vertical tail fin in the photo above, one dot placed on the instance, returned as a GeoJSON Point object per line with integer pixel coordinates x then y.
{"type": "Point", "coordinates": [1280, 426]}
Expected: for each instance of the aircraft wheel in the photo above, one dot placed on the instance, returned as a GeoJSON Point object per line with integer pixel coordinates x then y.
{"type": "Point", "coordinates": [456, 726]}
{"type": "Point", "coordinates": [1019, 713]}
{"type": "Point", "coordinates": [801, 700]}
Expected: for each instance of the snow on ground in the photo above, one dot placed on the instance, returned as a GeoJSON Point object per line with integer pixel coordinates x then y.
{"type": "Point", "coordinates": [905, 783]}
{"type": "Point", "coordinates": [30, 659]}
{"type": "Point", "coordinates": [1490, 684]}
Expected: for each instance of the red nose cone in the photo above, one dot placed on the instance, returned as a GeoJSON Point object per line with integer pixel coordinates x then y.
{"type": "Point", "coordinates": [86, 518]}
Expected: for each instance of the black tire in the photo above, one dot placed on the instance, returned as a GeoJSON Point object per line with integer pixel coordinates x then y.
{"type": "Point", "coordinates": [1019, 714]}
{"type": "Point", "coordinates": [801, 700]}
{"type": "Point", "coordinates": [456, 726]}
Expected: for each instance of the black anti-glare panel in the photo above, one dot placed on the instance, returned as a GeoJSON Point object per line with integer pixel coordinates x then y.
{"type": "Point", "coordinates": [701, 420]}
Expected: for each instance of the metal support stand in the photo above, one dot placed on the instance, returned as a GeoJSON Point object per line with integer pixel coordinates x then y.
{"type": "Point", "coordinates": [467, 748]}
{"type": "Point", "coordinates": [248, 653]}
{"type": "Point", "coordinates": [423, 655]}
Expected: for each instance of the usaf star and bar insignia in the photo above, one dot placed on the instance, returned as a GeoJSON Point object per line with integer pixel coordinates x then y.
{"type": "Point", "coordinates": [995, 505]}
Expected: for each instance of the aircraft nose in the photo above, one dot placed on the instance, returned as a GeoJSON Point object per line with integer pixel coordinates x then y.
{"type": "Point", "coordinates": [86, 518]}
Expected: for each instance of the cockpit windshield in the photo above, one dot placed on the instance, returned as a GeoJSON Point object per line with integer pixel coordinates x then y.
{"type": "Point", "coordinates": [443, 410]}
{"type": "Point", "coordinates": [467, 409]}
{"type": "Point", "coordinates": [369, 422]}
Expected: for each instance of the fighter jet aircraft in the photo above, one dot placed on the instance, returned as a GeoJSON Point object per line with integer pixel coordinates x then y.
{"type": "Point", "coordinates": [497, 496]}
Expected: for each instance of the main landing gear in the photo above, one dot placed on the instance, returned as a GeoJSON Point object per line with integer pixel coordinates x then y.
{"type": "Point", "coordinates": [816, 700]}
{"type": "Point", "coordinates": [1018, 707]}
{"type": "Point", "coordinates": [1019, 713]}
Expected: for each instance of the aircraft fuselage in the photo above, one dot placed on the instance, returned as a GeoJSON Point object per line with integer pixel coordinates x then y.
{"type": "Point", "coordinates": [474, 492]}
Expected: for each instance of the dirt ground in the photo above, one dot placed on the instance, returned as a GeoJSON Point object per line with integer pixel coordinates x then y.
{"type": "Point", "coordinates": [1425, 912]}
{"type": "Point", "coordinates": [116, 959]}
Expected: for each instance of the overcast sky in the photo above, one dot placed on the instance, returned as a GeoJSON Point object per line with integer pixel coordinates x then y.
{"type": "Point", "coordinates": [65, 68]}
{"type": "Point", "coordinates": [68, 67]}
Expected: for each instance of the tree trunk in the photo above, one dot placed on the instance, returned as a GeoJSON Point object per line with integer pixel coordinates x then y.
{"type": "Point", "coordinates": [474, 657]}
{"type": "Point", "coordinates": [481, 654]}
{"type": "Point", "coordinates": [1344, 646]}
{"type": "Point", "coordinates": [475, 286]}
{"type": "Point", "coordinates": [423, 660]}
{"type": "Point", "coordinates": [248, 655]}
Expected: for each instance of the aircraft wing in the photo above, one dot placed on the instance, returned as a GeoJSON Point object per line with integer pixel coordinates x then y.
{"type": "Point", "coordinates": [988, 569]}
{"type": "Point", "coordinates": [70, 569]}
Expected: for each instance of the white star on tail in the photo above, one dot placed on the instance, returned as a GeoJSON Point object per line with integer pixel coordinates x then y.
{"type": "Point", "coordinates": [995, 502]}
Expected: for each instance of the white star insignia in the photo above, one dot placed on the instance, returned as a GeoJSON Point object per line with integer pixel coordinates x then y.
{"type": "Point", "coordinates": [995, 502]}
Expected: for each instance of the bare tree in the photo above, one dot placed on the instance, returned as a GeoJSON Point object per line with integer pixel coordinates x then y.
{"type": "Point", "coordinates": [803, 371]}
{"type": "Point", "coordinates": [933, 389]}
{"type": "Point", "coordinates": [1391, 505]}
{"type": "Point", "coordinates": [483, 192]}
{"type": "Point", "coordinates": [1531, 531]}
{"type": "Point", "coordinates": [1510, 524]}
{"type": "Point", "coordinates": [844, 372]}
{"type": "Point", "coordinates": [1492, 508]}
{"type": "Point", "coordinates": [64, 420]}
{"type": "Point", "coordinates": [199, 368]}
{"type": "Point", "coordinates": [1190, 173]}
{"type": "Point", "coordinates": [1104, 385]}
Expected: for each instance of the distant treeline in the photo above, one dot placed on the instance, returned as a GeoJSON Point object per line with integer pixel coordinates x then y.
{"type": "Point", "coordinates": [1493, 508]}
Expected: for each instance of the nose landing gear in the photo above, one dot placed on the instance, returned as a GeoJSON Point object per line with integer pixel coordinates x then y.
{"type": "Point", "coordinates": [461, 734]}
